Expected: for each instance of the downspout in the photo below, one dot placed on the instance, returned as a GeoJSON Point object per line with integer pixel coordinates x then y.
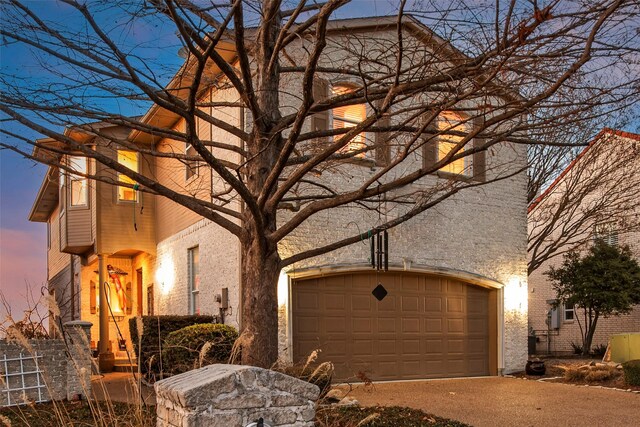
{"type": "Point", "coordinates": [501, 331]}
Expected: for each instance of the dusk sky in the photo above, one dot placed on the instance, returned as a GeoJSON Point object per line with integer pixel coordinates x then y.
{"type": "Point", "coordinates": [22, 243]}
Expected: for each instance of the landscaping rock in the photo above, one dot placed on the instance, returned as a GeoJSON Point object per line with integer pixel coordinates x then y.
{"type": "Point", "coordinates": [230, 395]}
{"type": "Point", "coordinates": [348, 401]}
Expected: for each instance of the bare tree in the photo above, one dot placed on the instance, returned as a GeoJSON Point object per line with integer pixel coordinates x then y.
{"type": "Point", "coordinates": [600, 186]}
{"type": "Point", "coordinates": [502, 70]}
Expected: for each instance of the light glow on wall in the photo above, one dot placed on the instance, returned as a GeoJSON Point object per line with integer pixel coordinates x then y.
{"type": "Point", "coordinates": [283, 289]}
{"type": "Point", "coordinates": [515, 295]}
{"type": "Point", "coordinates": [165, 275]}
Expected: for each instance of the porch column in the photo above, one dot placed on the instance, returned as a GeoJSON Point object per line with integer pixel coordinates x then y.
{"type": "Point", "coordinates": [105, 356]}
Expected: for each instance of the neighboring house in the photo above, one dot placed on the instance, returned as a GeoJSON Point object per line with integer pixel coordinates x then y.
{"type": "Point", "coordinates": [599, 193]}
{"type": "Point", "coordinates": [457, 282]}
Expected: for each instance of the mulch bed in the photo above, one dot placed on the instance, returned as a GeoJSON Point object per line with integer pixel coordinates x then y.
{"type": "Point", "coordinates": [78, 414]}
{"type": "Point", "coordinates": [388, 416]}
{"type": "Point", "coordinates": [554, 369]}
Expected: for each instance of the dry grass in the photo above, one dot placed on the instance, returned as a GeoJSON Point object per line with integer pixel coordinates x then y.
{"type": "Point", "coordinates": [591, 374]}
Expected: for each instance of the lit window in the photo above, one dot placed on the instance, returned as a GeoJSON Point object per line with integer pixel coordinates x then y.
{"type": "Point", "coordinates": [347, 117]}
{"type": "Point", "coordinates": [569, 312]}
{"type": "Point", "coordinates": [194, 280]}
{"type": "Point", "coordinates": [447, 123]}
{"type": "Point", "coordinates": [78, 183]}
{"type": "Point", "coordinates": [128, 159]}
{"type": "Point", "coordinates": [191, 165]}
{"type": "Point", "coordinates": [607, 232]}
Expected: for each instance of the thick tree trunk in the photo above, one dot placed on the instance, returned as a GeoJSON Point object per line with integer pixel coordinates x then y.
{"type": "Point", "coordinates": [260, 271]}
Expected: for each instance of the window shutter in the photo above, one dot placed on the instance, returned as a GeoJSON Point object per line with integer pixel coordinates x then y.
{"type": "Point", "coordinates": [320, 121]}
{"type": "Point", "coordinates": [429, 145]}
{"type": "Point", "coordinates": [383, 147]}
{"type": "Point", "coordinates": [479, 158]}
{"type": "Point", "coordinates": [127, 298]}
{"type": "Point", "coordinates": [92, 297]}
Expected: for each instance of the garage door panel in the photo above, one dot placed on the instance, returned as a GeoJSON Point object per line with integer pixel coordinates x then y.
{"type": "Point", "coordinates": [455, 326]}
{"type": "Point", "coordinates": [361, 325]}
{"type": "Point", "coordinates": [433, 326]}
{"type": "Point", "coordinates": [433, 304]}
{"type": "Point", "coordinates": [454, 305]}
{"type": "Point", "coordinates": [361, 303]}
{"type": "Point", "coordinates": [410, 347]}
{"type": "Point", "coordinates": [426, 327]}
{"type": "Point", "coordinates": [387, 305]}
{"type": "Point", "coordinates": [333, 324]}
{"type": "Point", "coordinates": [335, 301]}
{"type": "Point", "coordinates": [410, 303]}
{"type": "Point", "coordinates": [387, 347]}
{"type": "Point", "coordinates": [387, 325]}
{"type": "Point", "coordinates": [411, 325]}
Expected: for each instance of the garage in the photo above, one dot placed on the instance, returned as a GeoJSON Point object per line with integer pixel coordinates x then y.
{"type": "Point", "coordinates": [426, 326]}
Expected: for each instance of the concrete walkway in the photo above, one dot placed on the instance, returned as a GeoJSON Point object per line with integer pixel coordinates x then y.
{"type": "Point", "coordinates": [120, 387]}
{"type": "Point", "coordinates": [496, 401]}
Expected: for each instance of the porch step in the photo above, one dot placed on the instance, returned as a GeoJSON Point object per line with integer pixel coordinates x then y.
{"type": "Point", "coordinates": [123, 365]}
{"type": "Point", "coordinates": [125, 368]}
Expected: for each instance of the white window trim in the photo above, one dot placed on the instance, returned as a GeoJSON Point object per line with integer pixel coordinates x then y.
{"type": "Point", "coordinates": [71, 178]}
{"type": "Point", "coordinates": [564, 314]}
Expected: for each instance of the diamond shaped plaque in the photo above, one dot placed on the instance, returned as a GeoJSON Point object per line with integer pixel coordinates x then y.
{"type": "Point", "coordinates": [379, 292]}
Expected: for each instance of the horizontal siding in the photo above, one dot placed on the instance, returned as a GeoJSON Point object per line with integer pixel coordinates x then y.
{"type": "Point", "coordinates": [79, 227]}
{"type": "Point", "coordinates": [124, 225]}
{"type": "Point", "coordinates": [56, 260]}
{"type": "Point", "coordinates": [171, 217]}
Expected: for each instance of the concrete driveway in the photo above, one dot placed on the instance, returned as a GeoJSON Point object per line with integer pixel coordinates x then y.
{"type": "Point", "coordinates": [495, 401]}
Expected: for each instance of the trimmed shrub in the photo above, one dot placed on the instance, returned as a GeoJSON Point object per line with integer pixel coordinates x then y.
{"type": "Point", "coordinates": [196, 346]}
{"type": "Point", "coordinates": [632, 372]}
{"type": "Point", "coordinates": [155, 331]}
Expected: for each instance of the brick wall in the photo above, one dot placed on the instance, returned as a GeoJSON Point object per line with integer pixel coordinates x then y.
{"type": "Point", "coordinates": [481, 231]}
{"type": "Point", "coordinates": [540, 288]}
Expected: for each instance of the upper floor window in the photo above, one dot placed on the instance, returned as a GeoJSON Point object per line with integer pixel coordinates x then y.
{"type": "Point", "coordinates": [78, 183]}
{"type": "Point", "coordinates": [130, 160]}
{"type": "Point", "coordinates": [194, 280]}
{"type": "Point", "coordinates": [569, 312]}
{"type": "Point", "coordinates": [191, 166]}
{"type": "Point", "coordinates": [349, 116]}
{"type": "Point", "coordinates": [607, 232]}
{"type": "Point", "coordinates": [452, 126]}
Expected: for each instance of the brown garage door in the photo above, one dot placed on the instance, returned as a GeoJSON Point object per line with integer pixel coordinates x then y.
{"type": "Point", "coordinates": [426, 327]}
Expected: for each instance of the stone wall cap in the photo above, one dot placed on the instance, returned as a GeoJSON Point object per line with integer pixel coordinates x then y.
{"type": "Point", "coordinates": [82, 323]}
{"type": "Point", "coordinates": [193, 388]}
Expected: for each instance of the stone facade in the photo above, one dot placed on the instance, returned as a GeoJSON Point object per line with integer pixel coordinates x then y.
{"type": "Point", "coordinates": [65, 367]}
{"type": "Point", "coordinates": [232, 395]}
{"type": "Point", "coordinates": [541, 293]}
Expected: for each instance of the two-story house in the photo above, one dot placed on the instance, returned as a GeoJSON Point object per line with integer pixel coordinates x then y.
{"type": "Point", "coordinates": [456, 286]}
{"type": "Point", "coordinates": [596, 196]}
